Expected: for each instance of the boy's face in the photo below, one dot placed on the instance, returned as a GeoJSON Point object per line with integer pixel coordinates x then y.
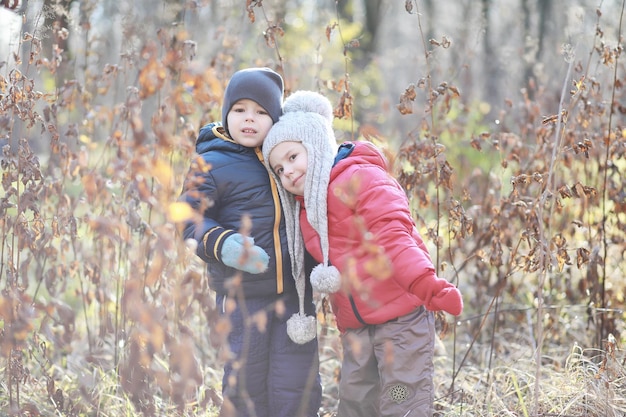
{"type": "Point", "coordinates": [289, 161]}
{"type": "Point", "coordinates": [248, 123]}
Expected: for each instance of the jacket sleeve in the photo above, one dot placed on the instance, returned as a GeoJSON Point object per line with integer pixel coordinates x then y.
{"type": "Point", "coordinates": [200, 192]}
{"type": "Point", "coordinates": [390, 246]}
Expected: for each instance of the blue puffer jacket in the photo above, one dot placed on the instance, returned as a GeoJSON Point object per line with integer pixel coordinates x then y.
{"type": "Point", "coordinates": [234, 184]}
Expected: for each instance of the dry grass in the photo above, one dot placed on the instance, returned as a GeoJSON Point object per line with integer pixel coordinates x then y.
{"type": "Point", "coordinates": [575, 385]}
{"type": "Point", "coordinates": [500, 379]}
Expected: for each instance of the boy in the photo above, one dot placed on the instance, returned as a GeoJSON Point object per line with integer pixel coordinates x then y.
{"type": "Point", "coordinates": [267, 374]}
{"type": "Point", "coordinates": [355, 219]}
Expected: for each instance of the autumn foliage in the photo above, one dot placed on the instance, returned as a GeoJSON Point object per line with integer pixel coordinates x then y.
{"type": "Point", "coordinates": [104, 310]}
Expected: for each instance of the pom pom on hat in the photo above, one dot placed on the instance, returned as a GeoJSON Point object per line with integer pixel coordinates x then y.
{"type": "Point", "coordinates": [309, 102]}
{"type": "Point", "coordinates": [301, 328]}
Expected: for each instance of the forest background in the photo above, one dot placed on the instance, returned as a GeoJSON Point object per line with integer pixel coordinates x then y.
{"type": "Point", "coordinates": [503, 120]}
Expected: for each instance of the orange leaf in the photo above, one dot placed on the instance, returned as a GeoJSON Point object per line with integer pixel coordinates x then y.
{"type": "Point", "coordinates": [180, 212]}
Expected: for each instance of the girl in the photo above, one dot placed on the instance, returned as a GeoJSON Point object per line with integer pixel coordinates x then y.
{"type": "Point", "coordinates": [354, 219]}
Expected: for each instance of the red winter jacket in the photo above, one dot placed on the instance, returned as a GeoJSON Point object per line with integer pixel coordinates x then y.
{"type": "Point", "coordinates": [373, 241]}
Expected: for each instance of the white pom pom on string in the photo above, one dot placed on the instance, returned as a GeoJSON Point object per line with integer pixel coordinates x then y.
{"type": "Point", "coordinates": [325, 279]}
{"type": "Point", "coordinates": [301, 328]}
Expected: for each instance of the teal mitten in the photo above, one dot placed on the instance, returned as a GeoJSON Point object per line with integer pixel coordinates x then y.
{"type": "Point", "coordinates": [239, 252]}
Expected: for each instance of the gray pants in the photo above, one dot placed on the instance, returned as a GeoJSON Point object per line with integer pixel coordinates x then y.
{"type": "Point", "coordinates": [387, 369]}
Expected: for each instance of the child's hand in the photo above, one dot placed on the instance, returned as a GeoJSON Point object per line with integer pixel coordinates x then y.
{"type": "Point", "coordinates": [239, 252]}
{"type": "Point", "coordinates": [438, 294]}
{"type": "Point", "coordinates": [447, 299]}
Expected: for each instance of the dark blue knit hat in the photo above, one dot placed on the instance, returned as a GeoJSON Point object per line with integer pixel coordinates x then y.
{"type": "Point", "coordinates": [262, 85]}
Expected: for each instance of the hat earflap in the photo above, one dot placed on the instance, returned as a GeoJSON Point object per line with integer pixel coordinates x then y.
{"type": "Point", "coordinates": [325, 279]}
{"type": "Point", "coordinates": [301, 328]}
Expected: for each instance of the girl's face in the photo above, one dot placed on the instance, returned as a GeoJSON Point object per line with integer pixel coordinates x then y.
{"type": "Point", "coordinates": [289, 161]}
{"type": "Point", "coordinates": [248, 123]}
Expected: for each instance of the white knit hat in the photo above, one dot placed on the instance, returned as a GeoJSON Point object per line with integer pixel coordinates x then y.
{"type": "Point", "coordinates": [307, 118]}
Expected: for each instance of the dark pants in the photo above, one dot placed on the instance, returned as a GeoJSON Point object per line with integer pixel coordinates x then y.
{"type": "Point", "coordinates": [268, 375]}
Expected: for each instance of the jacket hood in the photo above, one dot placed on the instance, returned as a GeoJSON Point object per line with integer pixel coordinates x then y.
{"type": "Point", "coordinates": [213, 136]}
{"type": "Point", "coordinates": [351, 153]}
